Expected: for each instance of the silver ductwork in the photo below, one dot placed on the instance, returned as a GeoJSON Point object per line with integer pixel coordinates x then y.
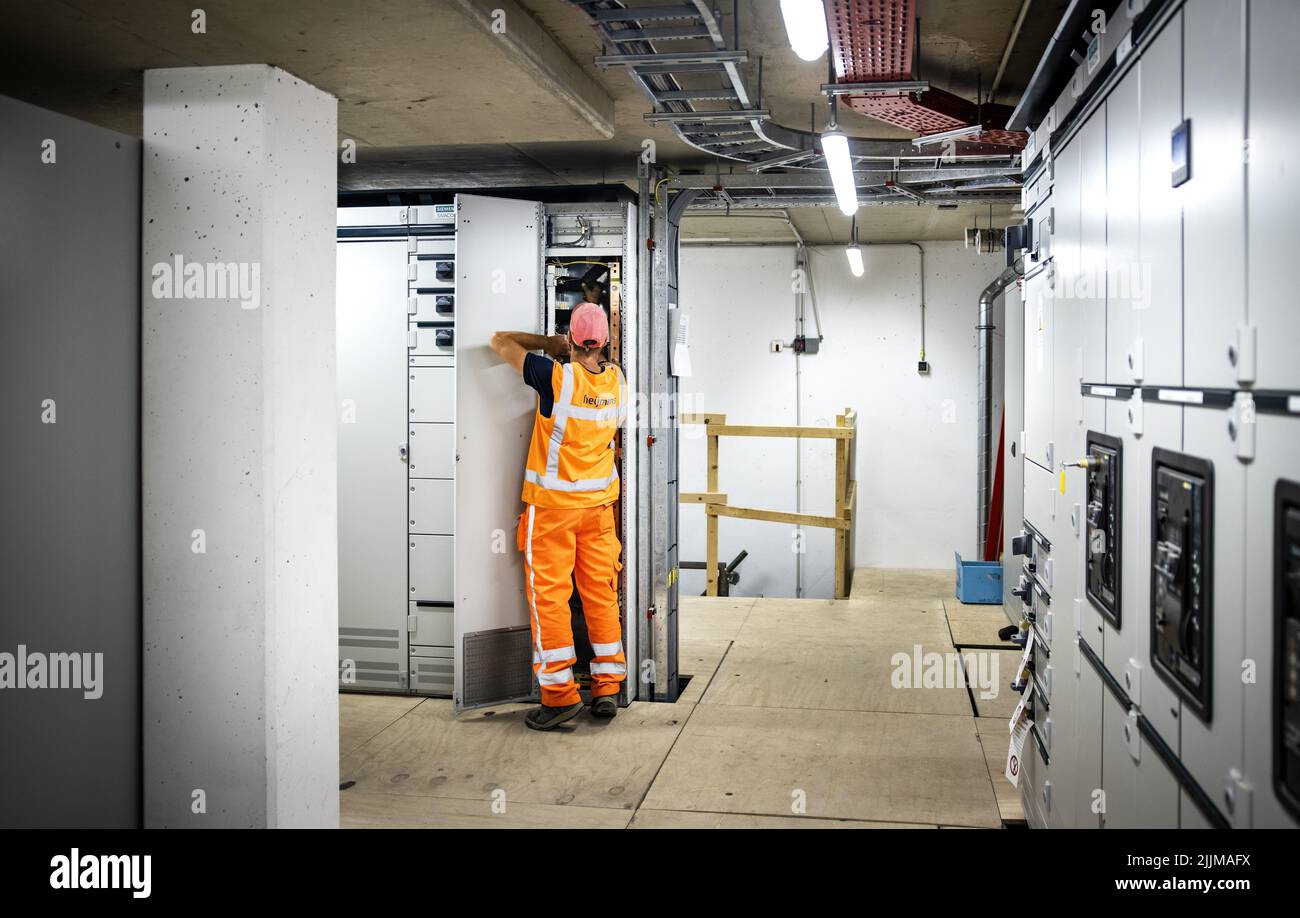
{"type": "Point", "coordinates": [984, 357]}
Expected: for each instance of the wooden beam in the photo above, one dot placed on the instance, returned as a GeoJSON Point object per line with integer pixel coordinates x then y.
{"type": "Point", "coordinates": [846, 496]}
{"type": "Point", "coordinates": [701, 417]}
{"type": "Point", "coordinates": [751, 430]}
{"type": "Point", "coordinates": [711, 521]}
{"type": "Point", "coordinates": [702, 497]}
{"type": "Point", "coordinates": [775, 516]}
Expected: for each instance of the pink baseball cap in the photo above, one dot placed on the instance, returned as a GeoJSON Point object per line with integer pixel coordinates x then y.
{"type": "Point", "coordinates": [589, 326]}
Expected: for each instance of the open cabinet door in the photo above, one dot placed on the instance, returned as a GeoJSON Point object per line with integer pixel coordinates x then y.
{"type": "Point", "coordinates": [498, 288]}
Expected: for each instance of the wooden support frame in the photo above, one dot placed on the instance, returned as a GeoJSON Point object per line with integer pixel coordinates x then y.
{"type": "Point", "coordinates": [844, 435]}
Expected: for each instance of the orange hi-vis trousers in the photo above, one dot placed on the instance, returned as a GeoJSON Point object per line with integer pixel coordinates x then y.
{"type": "Point", "coordinates": [561, 546]}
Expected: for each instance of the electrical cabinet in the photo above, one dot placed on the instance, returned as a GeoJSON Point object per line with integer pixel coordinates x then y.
{"type": "Point", "coordinates": [1182, 562]}
{"type": "Point", "coordinates": [1103, 514]}
{"type": "Point", "coordinates": [371, 321]}
{"type": "Point", "coordinates": [1271, 581]}
{"type": "Point", "coordinates": [1286, 645]}
{"type": "Point", "coordinates": [435, 430]}
{"type": "Point", "coordinates": [1160, 351]}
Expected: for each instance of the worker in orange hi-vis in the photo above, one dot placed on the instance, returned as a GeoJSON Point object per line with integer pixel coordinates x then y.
{"type": "Point", "coordinates": [567, 529]}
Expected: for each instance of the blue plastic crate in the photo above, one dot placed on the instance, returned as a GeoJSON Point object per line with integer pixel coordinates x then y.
{"type": "Point", "coordinates": [979, 581]}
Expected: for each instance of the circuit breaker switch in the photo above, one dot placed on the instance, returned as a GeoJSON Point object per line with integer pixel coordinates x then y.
{"type": "Point", "coordinates": [1103, 517]}
{"type": "Point", "coordinates": [1181, 563]}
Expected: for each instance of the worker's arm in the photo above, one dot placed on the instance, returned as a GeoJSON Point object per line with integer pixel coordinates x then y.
{"type": "Point", "coordinates": [512, 346]}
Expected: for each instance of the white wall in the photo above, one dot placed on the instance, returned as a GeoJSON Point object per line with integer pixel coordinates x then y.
{"type": "Point", "coordinates": [70, 537]}
{"type": "Point", "coordinates": [916, 463]}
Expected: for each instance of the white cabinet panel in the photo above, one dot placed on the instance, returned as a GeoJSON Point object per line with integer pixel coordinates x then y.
{"type": "Point", "coordinates": [433, 450]}
{"type": "Point", "coordinates": [433, 395]}
{"type": "Point", "coordinates": [1159, 307]}
{"type": "Point", "coordinates": [431, 670]}
{"type": "Point", "coordinates": [1214, 208]}
{"type": "Point", "coordinates": [432, 506]}
{"type": "Point", "coordinates": [1124, 344]}
{"type": "Point", "coordinates": [1038, 311]}
{"type": "Point", "coordinates": [1141, 793]}
{"type": "Point", "coordinates": [431, 568]}
{"type": "Point", "coordinates": [1277, 446]}
{"type": "Point", "coordinates": [1040, 497]}
{"type": "Point", "coordinates": [1090, 284]}
{"type": "Point", "coordinates": [1273, 179]}
{"type": "Point", "coordinates": [432, 626]}
{"type": "Point", "coordinates": [1083, 803]}
{"type": "Point", "coordinates": [1210, 750]}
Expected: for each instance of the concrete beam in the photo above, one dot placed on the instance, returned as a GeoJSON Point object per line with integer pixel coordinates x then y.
{"type": "Point", "coordinates": [550, 64]}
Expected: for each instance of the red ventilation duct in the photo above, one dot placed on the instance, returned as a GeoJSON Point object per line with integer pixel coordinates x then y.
{"type": "Point", "coordinates": [873, 42]}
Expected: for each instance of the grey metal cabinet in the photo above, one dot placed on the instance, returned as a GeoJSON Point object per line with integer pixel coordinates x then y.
{"type": "Point", "coordinates": [372, 330]}
{"type": "Point", "coordinates": [435, 432]}
{"type": "Point", "coordinates": [1126, 650]}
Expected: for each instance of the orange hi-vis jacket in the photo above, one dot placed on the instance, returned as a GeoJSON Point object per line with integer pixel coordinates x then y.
{"type": "Point", "coordinates": [571, 456]}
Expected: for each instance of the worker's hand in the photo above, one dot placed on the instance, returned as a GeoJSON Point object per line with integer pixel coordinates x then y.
{"type": "Point", "coordinates": [557, 346]}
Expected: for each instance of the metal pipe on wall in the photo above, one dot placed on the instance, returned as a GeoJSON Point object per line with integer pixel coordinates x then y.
{"type": "Point", "coordinates": [984, 396]}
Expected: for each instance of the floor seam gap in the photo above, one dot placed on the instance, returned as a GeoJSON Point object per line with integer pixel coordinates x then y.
{"type": "Point", "coordinates": [655, 777]}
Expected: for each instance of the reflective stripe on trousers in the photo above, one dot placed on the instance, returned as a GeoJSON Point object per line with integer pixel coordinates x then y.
{"type": "Point", "coordinates": [561, 547]}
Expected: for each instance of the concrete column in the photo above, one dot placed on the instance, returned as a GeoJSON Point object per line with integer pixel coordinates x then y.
{"type": "Point", "coordinates": [238, 450]}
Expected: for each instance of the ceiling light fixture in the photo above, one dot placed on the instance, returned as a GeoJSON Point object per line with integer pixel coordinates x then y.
{"type": "Point", "coordinates": [835, 147]}
{"type": "Point", "coordinates": [805, 24]}
{"type": "Point", "coordinates": [854, 252]}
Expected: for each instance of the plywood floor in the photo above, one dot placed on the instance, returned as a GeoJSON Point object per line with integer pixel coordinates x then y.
{"type": "Point", "coordinates": [800, 713]}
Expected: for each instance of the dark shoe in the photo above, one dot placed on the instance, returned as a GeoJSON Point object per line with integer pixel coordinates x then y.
{"type": "Point", "coordinates": [544, 717]}
{"type": "Point", "coordinates": [604, 706]}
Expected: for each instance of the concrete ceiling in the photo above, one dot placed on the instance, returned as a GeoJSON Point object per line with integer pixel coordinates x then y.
{"type": "Point", "coordinates": [435, 97]}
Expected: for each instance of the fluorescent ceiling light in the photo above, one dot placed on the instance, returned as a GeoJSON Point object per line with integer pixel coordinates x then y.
{"type": "Point", "coordinates": [835, 147]}
{"type": "Point", "coordinates": [805, 24]}
{"type": "Point", "coordinates": [854, 251]}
